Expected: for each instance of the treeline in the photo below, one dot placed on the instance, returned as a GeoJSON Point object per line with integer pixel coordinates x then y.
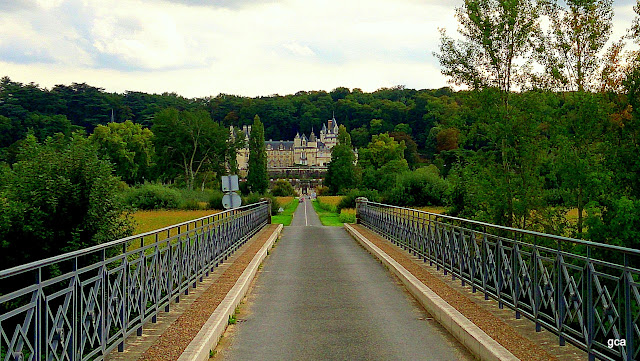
{"type": "Point", "coordinates": [25, 107]}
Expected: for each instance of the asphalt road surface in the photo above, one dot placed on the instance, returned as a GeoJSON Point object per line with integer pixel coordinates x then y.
{"type": "Point", "coordinates": [320, 296]}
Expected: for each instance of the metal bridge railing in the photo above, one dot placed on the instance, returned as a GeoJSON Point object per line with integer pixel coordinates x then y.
{"type": "Point", "coordinates": [82, 305]}
{"type": "Point", "coordinates": [584, 292]}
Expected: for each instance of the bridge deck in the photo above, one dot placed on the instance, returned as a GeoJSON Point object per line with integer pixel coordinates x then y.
{"type": "Point", "coordinates": [320, 296]}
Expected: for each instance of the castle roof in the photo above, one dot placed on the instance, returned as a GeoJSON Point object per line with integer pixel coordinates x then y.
{"type": "Point", "coordinates": [275, 144]}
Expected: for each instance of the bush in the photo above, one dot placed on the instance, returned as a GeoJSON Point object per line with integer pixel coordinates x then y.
{"type": "Point", "coordinates": [349, 200]}
{"type": "Point", "coordinates": [58, 197]}
{"type": "Point", "coordinates": [189, 204]}
{"type": "Point", "coordinates": [422, 187]}
{"type": "Point", "coordinates": [215, 201]}
{"type": "Point", "coordinates": [348, 215]}
{"type": "Point", "coordinates": [322, 191]}
{"type": "Point", "coordinates": [282, 188]}
{"type": "Point", "coordinates": [255, 198]}
{"type": "Point", "coordinates": [153, 196]}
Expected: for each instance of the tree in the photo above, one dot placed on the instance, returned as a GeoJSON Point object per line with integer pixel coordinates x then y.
{"type": "Point", "coordinates": [381, 162]}
{"type": "Point", "coordinates": [130, 148]}
{"type": "Point", "coordinates": [497, 35]}
{"type": "Point", "coordinates": [570, 50]}
{"type": "Point", "coordinates": [341, 170]}
{"type": "Point", "coordinates": [257, 177]}
{"type": "Point", "coordinates": [190, 141]}
{"type": "Point", "coordinates": [58, 197]}
{"type": "Point", "coordinates": [235, 142]}
{"type": "Point", "coordinates": [282, 188]}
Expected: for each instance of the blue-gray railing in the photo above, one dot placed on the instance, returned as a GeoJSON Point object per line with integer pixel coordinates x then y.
{"type": "Point", "coordinates": [585, 292]}
{"type": "Point", "coordinates": [82, 305]}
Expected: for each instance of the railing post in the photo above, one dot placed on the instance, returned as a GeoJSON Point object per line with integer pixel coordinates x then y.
{"type": "Point", "coordinates": [360, 202]}
{"type": "Point", "coordinates": [629, 329]}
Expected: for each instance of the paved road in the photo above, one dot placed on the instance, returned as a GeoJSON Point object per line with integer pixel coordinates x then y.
{"type": "Point", "coordinates": [320, 296]}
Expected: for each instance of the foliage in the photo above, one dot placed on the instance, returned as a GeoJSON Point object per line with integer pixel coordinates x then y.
{"type": "Point", "coordinates": [496, 38]}
{"type": "Point", "coordinates": [282, 188]}
{"type": "Point", "coordinates": [421, 187]}
{"type": "Point", "coordinates": [341, 170]}
{"type": "Point", "coordinates": [255, 198]}
{"type": "Point", "coordinates": [215, 201]}
{"type": "Point", "coordinates": [190, 141]}
{"type": "Point", "coordinates": [348, 216]}
{"type": "Point", "coordinates": [257, 177]}
{"type": "Point", "coordinates": [58, 197]}
{"type": "Point", "coordinates": [130, 148]}
{"type": "Point", "coordinates": [570, 49]}
{"type": "Point", "coordinates": [349, 200]}
{"type": "Point", "coordinates": [381, 162]}
{"type": "Point", "coordinates": [153, 196]}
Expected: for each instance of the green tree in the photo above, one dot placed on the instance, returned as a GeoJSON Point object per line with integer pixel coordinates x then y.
{"type": "Point", "coordinates": [570, 49]}
{"type": "Point", "coordinates": [282, 188]}
{"type": "Point", "coordinates": [190, 141]}
{"type": "Point", "coordinates": [235, 142]}
{"type": "Point", "coordinates": [257, 177]}
{"type": "Point", "coordinates": [58, 197]}
{"type": "Point", "coordinates": [130, 148]}
{"type": "Point", "coordinates": [381, 162]}
{"type": "Point", "coordinates": [497, 37]}
{"type": "Point", "coordinates": [341, 170]}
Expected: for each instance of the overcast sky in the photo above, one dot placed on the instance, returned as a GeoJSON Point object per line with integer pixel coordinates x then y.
{"type": "Point", "coordinates": [243, 47]}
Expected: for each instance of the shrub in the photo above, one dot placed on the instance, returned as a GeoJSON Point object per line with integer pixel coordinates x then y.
{"type": "Point", "coordinates": [322, 191]}
{"type": "Point", "coordinates": [189, 204]}
{"type": "Point", "coordinates": [255, 198]}
{"type": "Point", "coordinates": [422, 187]}
{"type": "Point", "coordinates": [349, 200]}
{"type": "Point", "coordinates": [215, 201]}
{"type": "Point", "coordinates": [58, 197]}
{"type": "Point", "coordinates": [153, 196]}
{"type": "Point", "coordinates": [282, 188]}
{"type": "Point", "coordinates": [348, 215]}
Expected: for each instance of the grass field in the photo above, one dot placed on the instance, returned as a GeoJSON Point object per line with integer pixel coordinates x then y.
{"type": "Point", "coordinates": [151, 220]}
{"type": "Point", "coordinates": [331, 200]}
{"type": "Point", "coordinates": [327, 217]}
{"type": "Point", "coordinates": [286, 216]}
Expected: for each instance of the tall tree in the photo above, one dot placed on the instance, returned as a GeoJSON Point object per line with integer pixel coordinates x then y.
{"type": "Point", "coordinates": [497, 36]}
{"type": "Point", "coordinates": [190, 141]}
{"type": "Point", "coordinates": [570, 51]}
{"type": "Point", "coordinates": [257, 177]}
{"type": "Point", "coordinates": [341, 170]}
{"type": "Point", "coordinates": [130, 148]}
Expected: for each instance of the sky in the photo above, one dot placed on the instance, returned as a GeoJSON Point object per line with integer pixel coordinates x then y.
{"type": "Point", "coordinates": [200, 48]}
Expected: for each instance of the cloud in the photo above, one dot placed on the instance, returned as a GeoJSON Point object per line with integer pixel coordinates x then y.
{"type": "Point", "coordinates": [299, 50]}
{"type": "Point", "coordinates": [230, 4]}
{"type": "Point", "coordinates": [14, 5]}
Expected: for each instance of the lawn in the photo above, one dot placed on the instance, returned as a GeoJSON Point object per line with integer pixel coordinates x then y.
{"type": "Point", "coordinates": [286, 216]}
{"type": "Point", "coordinates": [327, 217]}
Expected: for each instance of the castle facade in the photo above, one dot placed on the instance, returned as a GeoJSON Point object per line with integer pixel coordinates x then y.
{"type": "Point", "coordinates": [300, 152]}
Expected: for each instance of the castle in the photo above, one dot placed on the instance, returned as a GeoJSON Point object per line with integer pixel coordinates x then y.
{"type": "Point", "coordinates": [302, 151]}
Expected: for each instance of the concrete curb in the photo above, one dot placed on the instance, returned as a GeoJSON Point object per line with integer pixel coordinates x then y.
{"type": "Point", "coordinates": [470, 335]}
{"type": "Point", "coordinates": [207, 338]}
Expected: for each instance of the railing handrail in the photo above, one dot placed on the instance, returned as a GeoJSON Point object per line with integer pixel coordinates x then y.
{"type": "Point", "coordinates": [518, 230]}
{"type": "Point", "coordinates": [81, 252]}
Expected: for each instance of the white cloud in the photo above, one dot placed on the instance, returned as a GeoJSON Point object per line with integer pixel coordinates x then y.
{"type": "Point", "coordinates": [299, 50]}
